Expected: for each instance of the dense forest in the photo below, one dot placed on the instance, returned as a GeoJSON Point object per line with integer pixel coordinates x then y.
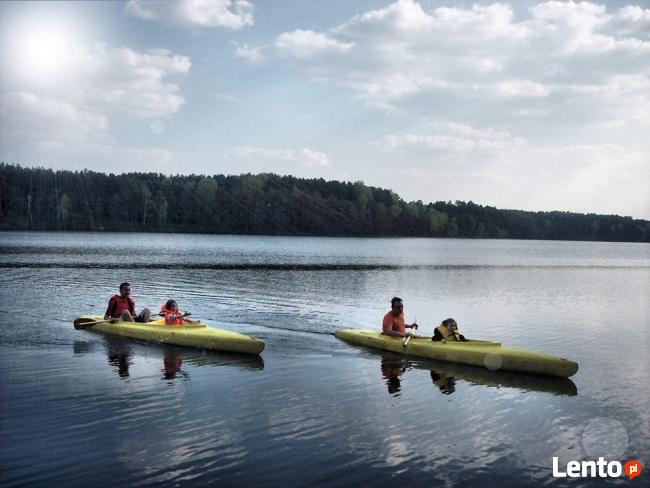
{"type": "Point", "coordinates": [43, 199]}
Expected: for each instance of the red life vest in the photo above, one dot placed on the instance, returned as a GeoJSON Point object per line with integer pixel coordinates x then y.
{"type": "Point", "coordinates": [172, 317]}
{"type": "Point", "coordinates": [117, 305]}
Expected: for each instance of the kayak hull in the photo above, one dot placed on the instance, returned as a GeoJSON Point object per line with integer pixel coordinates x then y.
{"type": "Point", "coordinates": [490, 355]}
{"type": "Point", "coordinates": [190, 335]}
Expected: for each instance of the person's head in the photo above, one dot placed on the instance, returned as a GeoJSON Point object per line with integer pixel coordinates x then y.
{"type": "Point", "coordinates": [125, 289]}
{"type": "Point", "coordinates": [450, 324]}
{"type": "Point", "coordinates": [171, 305]}
{"type": "Point", "coordinates": [396, 305]}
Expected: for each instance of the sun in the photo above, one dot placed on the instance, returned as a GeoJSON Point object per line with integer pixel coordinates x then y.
{"type": "Point", "coordinates": [45, 50]}
{"type": "Point", "coordinates": [42, 50]}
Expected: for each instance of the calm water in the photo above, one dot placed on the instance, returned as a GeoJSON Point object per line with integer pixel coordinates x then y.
{"type": "Point", "coordinates": [80, 409]}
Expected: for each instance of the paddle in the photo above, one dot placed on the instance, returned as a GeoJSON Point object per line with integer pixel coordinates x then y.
{"type": "Point", "coordinates": [83, 323]}
{"type": "Point", "coordinates": [184, 316]}
{"type": "Point", "coordinates": [406, 341]}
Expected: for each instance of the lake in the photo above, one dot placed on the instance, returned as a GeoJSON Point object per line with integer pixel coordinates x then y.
{"type": "Point", "coordinates": [79, 408]}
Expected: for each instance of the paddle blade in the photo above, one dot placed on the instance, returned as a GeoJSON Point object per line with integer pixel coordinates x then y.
{"type": "Point", "coordinates": [81, 323]}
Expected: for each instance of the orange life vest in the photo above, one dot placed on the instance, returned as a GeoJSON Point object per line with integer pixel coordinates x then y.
{"type": "Point", "coordinates": [172, 317]}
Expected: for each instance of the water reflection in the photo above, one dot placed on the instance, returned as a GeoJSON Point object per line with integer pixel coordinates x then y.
{"type": "Point", "coordinates": [391, 370]}
{"type": "Point", "coordinates": [83, 347]}
{"type": "Point", "coordinates": [446, 384]}
{"type": "Point", "coordinates": [122, 354]}
{"type": "Point", "coordinates": [445, 376]}
{"type": "Point", "coordinates": [172, 362]}
{"type": "Point", "coordinates": [218, 358]}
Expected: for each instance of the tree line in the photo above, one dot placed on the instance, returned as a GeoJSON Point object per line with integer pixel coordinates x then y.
{"type": "Point", "coordinates": [44, 199]}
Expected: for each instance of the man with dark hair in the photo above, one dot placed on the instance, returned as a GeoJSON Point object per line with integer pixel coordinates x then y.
{"type": "Point", "coordinates": [393, 323]}
{"type": "Point", "coordinates": [122, 307]}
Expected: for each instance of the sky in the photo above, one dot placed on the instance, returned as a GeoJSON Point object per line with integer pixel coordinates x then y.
{"type": "Point", "coordinates": [527, 105]}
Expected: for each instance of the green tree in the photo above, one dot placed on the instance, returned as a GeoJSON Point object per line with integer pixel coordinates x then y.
{"type": "Point", "coordinates": [205, 193]}
{"type": "Point", "coordinates": [63, 212]}
{"type": "Point", "coordinates": [161, 206]}
{"type": "Point", "coordinates": [437, 222]}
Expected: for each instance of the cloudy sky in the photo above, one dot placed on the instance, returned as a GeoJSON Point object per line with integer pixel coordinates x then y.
{"type": "Point", "coordinates": [532, 105]}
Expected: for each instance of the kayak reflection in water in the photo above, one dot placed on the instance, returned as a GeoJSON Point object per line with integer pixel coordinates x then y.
{"type": "Point", "coordinates": [119, 356]}
{"type": "Point", "coordinates": [446, 384]}
{"type": "Point", "coordinates": [172, 316]}
{"type": "Point", "coordinates": [445, 376]}
{"type": "Point", "coordinates": [391, 370]}
{"type": "Point", "coordinates": [448, 331]}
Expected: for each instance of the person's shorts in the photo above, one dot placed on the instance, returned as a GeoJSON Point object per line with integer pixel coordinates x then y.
{"type": "Point", "coordinates": [140, 317]}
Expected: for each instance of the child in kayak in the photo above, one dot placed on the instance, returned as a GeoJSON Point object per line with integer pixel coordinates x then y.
{"type": "Point", "coordinates": [172, 316]}
{"type": "Point", "coordinates": [448, 331]}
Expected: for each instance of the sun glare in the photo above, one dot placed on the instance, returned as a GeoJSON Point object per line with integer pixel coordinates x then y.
{"type": "Point", "coordinates": [43, 51]}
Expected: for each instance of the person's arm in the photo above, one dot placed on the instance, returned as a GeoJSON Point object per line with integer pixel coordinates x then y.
{"type": "Point", "coordinates": [462, 338]}
{"type": "Point", "coordinates": [110, 310]}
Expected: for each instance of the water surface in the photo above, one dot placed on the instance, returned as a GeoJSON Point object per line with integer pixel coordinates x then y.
{"type": "Point", "coordinates": [80, 408]}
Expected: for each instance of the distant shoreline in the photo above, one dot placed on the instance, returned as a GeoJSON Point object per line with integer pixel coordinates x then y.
{"type": "Point", "coordinates": [266, 204]}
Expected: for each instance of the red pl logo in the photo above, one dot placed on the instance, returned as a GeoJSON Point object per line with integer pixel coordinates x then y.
{"type": "Point", "coordinates": [633, 469]}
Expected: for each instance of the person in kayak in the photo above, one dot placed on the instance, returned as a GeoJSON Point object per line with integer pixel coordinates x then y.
{"type": "Point", "coordinates": [448, 331]}
{"type": "Point", "coordinates": [393, 323]}
{"type": "Point", "coordinates": [172, 316]}
{"type": "Point", "coordinates": [122, 307]}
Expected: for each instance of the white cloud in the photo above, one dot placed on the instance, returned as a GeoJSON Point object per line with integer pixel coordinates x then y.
{"type": "Point", "coordinates": [69, 123]}
{"type": "Point", "coordinates": [67, 137]}
{"type": "Point", "coordinates": [522, 88]}
{"type": "Point", "coordinates": [229, 14]}
{"type": "Point", "coordinates": [24, 113]}
{"type": "Point", "coordinates": [105, 79]}
{"type": "Point", "coordinates": [307, 43]}
{"type": "Point", "coordinates": [633, 21]}
{"type": "Point", "coordinates": [528, 93]}
{"type": "Point", "coordinates": [100, 155]}
{"type": "Point", "coordinates": [303, 157]}
{"type": "Point", "coordinates": [124, 80]}
{"type": "Point", "coordinates": [250, 54]}
{"type": "Point", "coordinates": [405, 55]}
{"type": "Point", "coordinates": [456, 161]}
{"type": "Point", "coordinates": [454, 138]}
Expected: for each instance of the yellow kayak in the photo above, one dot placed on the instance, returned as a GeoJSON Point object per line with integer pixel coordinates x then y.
{"type": "Point", "coordinates": [490, 355]}
{"type": "Point", "coordinates": [192, 335]}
